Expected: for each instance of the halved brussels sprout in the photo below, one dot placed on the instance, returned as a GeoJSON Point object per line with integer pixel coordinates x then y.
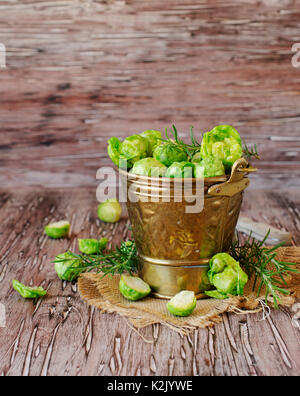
{"type": "Point", "coordinates": [167, 153]}
{"type": "Point", "coordinates": [209, 167]}
{"type": "Point", "coordinates": [149, 167]}
{"type": "Point", "coordinates": [133, 288]}
{"type": "Point", "coordinates": [110, 211]}
{"type": "Point", "coordinates": [183, 304]}
{"type": "Point", "coordinates": [28, 292]}
{"type": "Point", "coordinates": [153, 138]}
{"type": "Point", "coordinates": [92, 246]}
{"type": "Point", "coordinates": [57, 230]}
{"type": "Point", "coordinates": [223, 142]}
{"type": "Point", "coordinates": [67, 267]}
{"type": "Point", "coordinates": [180, 170]}
{"type": "Point", "coordinates": [226, 275]}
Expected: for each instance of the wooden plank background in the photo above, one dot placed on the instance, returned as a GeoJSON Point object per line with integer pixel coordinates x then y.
{"type": "Point", "coordinates": [60, 335]}
{"type": "Point", "coordinates": [80, 71]}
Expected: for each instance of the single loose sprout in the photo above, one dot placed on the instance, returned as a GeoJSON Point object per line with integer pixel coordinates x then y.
{"type": "Point", "coordinates": [92, 246]}
{"type": "Point", "coordinates": [28, 292]}
{"type": "Point", "coordinates": [149, 167]}
{"type": "Point", "coordinates": [167, 153]}
{"type": "Point", "coordinates": [133, 288]}
{"type": "Point", "coordinates": [58, 230]}
{"type": "Point", "coordinates": [180, 170]}
{"type": "Point", "coordinates": [110, 211]}
{"type": "Point", "coordinates": [209, 167]}
{"type": "Point", "coordinates": [183, 304]}
{"type": "Point", "coordinates": [153, 138]}
{"type": "Point", "coordinates": [223, 142]}
{"type": "Point", "coordinates": [226, 275]}
{"type": "Point", "coordinates": [67, 267]}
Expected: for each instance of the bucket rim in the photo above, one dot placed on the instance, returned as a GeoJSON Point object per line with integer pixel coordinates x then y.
{"type": "Point", "coordinates": [207, 180]}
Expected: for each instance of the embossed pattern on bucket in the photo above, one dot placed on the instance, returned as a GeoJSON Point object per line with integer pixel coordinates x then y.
{"type": "Point", "coordinates": [175, 246]}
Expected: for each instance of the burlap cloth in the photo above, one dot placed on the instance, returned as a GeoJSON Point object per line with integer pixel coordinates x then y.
{"type": "Point", "coordinates": [103, 293]}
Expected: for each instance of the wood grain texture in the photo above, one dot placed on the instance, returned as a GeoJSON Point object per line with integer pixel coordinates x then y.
{"type": "Point", "coordinates": [60, 335]}
{"type": "Point", "coordinates": [83, 70]}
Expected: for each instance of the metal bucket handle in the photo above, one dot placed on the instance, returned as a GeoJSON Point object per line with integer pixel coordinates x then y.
{"type": "Point", "coordinates": [237, 181]}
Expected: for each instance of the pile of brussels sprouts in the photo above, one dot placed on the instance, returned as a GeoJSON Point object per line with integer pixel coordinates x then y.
{"type": "Point", "coordinates": [148, 154]}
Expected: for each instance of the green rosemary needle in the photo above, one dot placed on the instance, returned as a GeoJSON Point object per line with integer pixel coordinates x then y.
{"type": "Point", "coordinates": [189, 149]}
{"type": "Point", "coordinates": [250, 152]}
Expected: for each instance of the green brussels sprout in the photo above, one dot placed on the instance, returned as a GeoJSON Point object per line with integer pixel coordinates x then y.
{"type": "Point", "coordinates": [205, 283]}
{"type": "Point", "coordinates": [223, 142]}
{"type": "Point", "coordinates": [197, 157]}
{"type": "Point", "coordinates": [183, 304]}
{"type": "Point", "coordinates": [28, 292]}
{"type": "Point", "coordinates": [153, 138]}
{"type": "Point", "coordinates": [131, 150]}
{"type": "Point", "coordinates": [180, 170]}
{"type": "Point", "coordinates": [226, 275]}
{"type": "Point", "coordinates": [209, 167]}
{"type": "Point", "coordinates": [167, 153]}
{"type": "Point", "coordinates": [216, 294]}
{"type": "Point", "coordinates": [57, 230]}
{"type": "Point", "coordinates": [92, 246]}
{"type": "Point", "coordinates": [110, 211]}
{"type": "Point", "coordinates": [149, 167]}
{"type": "Point", "coordinates": [133, 288]}
{"type": "Point", "coordinates": [67, 266]}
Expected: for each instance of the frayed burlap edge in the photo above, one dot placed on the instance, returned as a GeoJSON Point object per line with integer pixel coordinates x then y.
{"type": "Point", "coordinates": [103, 293]}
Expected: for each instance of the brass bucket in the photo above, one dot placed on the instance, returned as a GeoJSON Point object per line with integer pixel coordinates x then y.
{"type": "Point", "coordinates": [174, 246]}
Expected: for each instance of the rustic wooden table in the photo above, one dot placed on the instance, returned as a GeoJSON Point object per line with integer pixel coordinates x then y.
{"type": "Point", "coordinates": [61, 335]}
{"type": "Point", "coordinates": [83, 70]}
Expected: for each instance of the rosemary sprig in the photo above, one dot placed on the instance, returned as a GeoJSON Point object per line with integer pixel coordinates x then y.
{"type": "Point", "coordinates": [122, 259]}
{"type": "Point", "coordinates": [260, 264]}
{"type": "Point", "coordinates": [250, 152]}
{"type": "Point", "coordinates": [190, 149]}
{"type": "Point", "coordinates": [258, 261]}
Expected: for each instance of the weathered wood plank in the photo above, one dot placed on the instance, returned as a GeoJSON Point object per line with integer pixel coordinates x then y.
{"type": "Point", "coordinates": [78, 73]}
{"type": "Point", "coordinates": [60, 335]}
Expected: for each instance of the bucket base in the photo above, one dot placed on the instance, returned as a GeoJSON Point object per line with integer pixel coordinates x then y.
{"type": "Point", "coordinates": [167, 278]}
